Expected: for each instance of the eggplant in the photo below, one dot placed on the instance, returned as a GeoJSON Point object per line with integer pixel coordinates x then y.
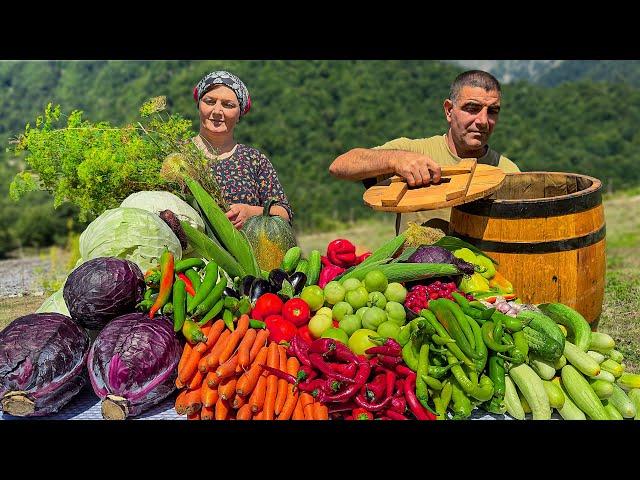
{"type": "Point", "coordinates": [297, 280]}
{"type": "Point", "coordinates": [245, 285]}
{"type": "Point", "coordinates": [276, 277]}
{"type": "Point", "coordinates": [230, 292]}
{"type": "Point", "coordinates": [258, 288]}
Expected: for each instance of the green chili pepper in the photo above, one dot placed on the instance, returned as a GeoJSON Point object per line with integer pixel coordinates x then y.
{"type": "Point", "coordinates": [481, 348]}
{"type": "Point", "coordinates": [460, 299]}
{"type": "Point", "coordinates": [432, 382]}
{"type": "Point", "coordinates": [244, 306]}
{"type": "Point", "coordinates": [510, 323]}
{"type": "Point", "coordinates": [487, 337]}
{"type": "Point", "coordinates": [458, 372]}
{"type": "Point", "coordinates": [423, 367]}
{"type": "Point", "coordinates": [212, 298]}
{"type": "Point", "coordinates": [231, 303]}
{"type": "Point", "coordinates": [440, 330]}
{"type": "Point", "coordinates": [179, 304]}
{"type": "Point", "coordinates": [192, 332]}
{"type": "Point", "coordinates": [227, 318]}
{"type": "Point", "coordinates": [461, 403]}
{"type": "Point", "coordinates": [444, 400]}
{"type": "Point", "coordinates": [166, 282]}
{"type": "Point", "coordinates": [521, 343]}
{"type": "Point", "coordinates": [215, 310]}
{"type": "Point", "coordinates": [444, 311]}
{"type": "Point", "coordinates": [167, 309]}
{"type": "Point", "coordinates": [484, 391]}
{"type": "Point", "coordinates": [436, 371]}
{"type": "Point", "coordinates": [210, 278]}
{"type": "Point", "coordinates": [405, 335]}
{"type": "Point", "coordinates": [497, 374]}
{"type": "Point", "coordinates": [410, 356]}
{"type": "Point", "coordinates": [188, 263]}
{"type": "Point", "coordinates": [257, 324]}
{"type": "Point", "coordinates": [438, 340]}
{"type": "Point", "coordinates": [497, 329]}
{"type": "Point", "coordinates": [194, 277]}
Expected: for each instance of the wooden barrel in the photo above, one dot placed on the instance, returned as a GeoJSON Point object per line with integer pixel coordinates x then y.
{"type": "Point", "coordinates": [547, 231]}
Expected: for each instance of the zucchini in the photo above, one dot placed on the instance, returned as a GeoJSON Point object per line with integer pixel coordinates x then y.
{"type": "Point", "coordinates": [615, 355]}
{"type": "Point", "coordinates": [582, 394]}
{"type": "Point", "coordinates": [554, 392]}
{"type": "Point", "coordinates": [543, 368]}
{"type": "Point", "coordinates": [597, 356]}
{"type": "Point", "coordinates": [569, 410]}
{"type": "Point", "coordinates": [291, 259]}
{"type": "Point", "coordinates": [303, 266]}
{"type": "Point", "coordinates": [612, 411]}
{"type": "Point", "coordinates": [578, 328]}
{"type": "Point", "coordinates": [512, 400]}
{"type": "Point", "coordinates": [628, 381]}
{"type": "Point", "coordinates": [542, 344]}
{"type": "Point", "coordinates": [560, 362]}
{"type": "Point", "coordinates": [525, 405]}
{"type": "Point", "coordinates": [315, 264]}
{"type": "Point", "coordinates": [581, 360]}
{"type": "Point", "coordinates": [601, 342]}
{"type": "Point", "coordinates": [634, 396]}
{"type": "Point", "coordinates": [602, 388]}
{"type": "Point", "coordinates": [544, 324]}
{"type": "Point", "coordinates": [532, 388]}
{"type": "Point", "coordinates": [613, 367]}
{"type": "Point", "coordinates": [604, 375]}
{"type": "Point", "coordinates": [621, 401]}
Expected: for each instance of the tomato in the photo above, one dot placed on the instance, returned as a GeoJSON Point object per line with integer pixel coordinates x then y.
{"type": "Point", "coordinates": [305, 334]}
{"type": "Point", "coordinates": [279, 328]}
{"type": "Point", "coordinates": [267, 304]}
{"type": "Point", "coordinates": [296, 311]}
{"type": "Point", "coordinates": [336, 324]}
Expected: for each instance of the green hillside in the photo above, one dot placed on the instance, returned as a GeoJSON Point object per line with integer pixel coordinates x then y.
{"type": "Point", "coordinates": [305, 113]}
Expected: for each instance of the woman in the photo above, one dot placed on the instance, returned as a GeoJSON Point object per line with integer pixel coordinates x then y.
{"type": "Point", "coordinates": [245, 175]}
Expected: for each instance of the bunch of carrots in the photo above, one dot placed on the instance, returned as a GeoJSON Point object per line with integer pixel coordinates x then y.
{"type": "Point", "coordinates": [224, 378]}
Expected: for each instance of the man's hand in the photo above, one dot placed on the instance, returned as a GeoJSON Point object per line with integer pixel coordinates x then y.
{"type": "Point", "coordinates": [239, 213]}
{"type": "Point", "coordinates": [418, 170]}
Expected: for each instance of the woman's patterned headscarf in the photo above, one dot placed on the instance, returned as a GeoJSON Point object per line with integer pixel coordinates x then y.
{"type": "Point", "coordinates": [220, 77]}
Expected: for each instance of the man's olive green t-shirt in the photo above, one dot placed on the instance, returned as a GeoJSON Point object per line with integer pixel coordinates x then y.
{"type": "Point", "coordinates": [437, 148]}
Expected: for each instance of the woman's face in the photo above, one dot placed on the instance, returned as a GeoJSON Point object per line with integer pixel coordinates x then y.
{"type": "Point", "coordinates": [219, 110]}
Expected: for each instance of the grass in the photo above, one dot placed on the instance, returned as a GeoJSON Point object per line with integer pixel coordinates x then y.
{"type": "Point", "coordinates": [621, 307]}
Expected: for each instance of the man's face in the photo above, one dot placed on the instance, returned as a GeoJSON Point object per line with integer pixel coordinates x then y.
{"type": "Point", "coordinates": [473, 117]}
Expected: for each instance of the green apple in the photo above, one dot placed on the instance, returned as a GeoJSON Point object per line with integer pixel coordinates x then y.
{"type": "Point", "coordinates": [350, 323]}
{"type": "Point", "coordinates": [375, 281]}
{"type": "Point", "coordinates": [318, 324]}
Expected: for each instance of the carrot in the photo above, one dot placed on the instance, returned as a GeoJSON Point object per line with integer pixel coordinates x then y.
{"type": "Point", "coordinates": [185, 355]}
{"type": "Point", "coordinates": [206, 413]}
{"type": "Point", "coordinates": [190, 367]}
{"type": "Point", "coordinates": [293, 365]}
{"type": "Point", "coordinates": [228, 368]}
{"type": "Point", "coordinates": [319, 412]}
{"type": "Point", "coordinates": [181, 402]}
{"type": "Point", "coordinates": [201, 348]}
{"type": "Point", "coordinates": [244, 413]}
{"type": "Point", "coordinates": [212, 380]}
{"type": "Point", "coordinates": [194, 416]}
{"type": "Point", "coordinates": [238, 402]}
{"type": "Point", "coordinates": [214, 333]}
{"type": "Point", "coordinates": [209, 396]}
{"type": "Point", "coordinates": [307, 402]}
{"type": "Point", "coordinates": [179, 384]}
{"type": "Point", "coordinates": [202, 365]}
{"type": "Point", "coordinates": [257, 397]}
{"type": "Point", "coordinates": [260, 341]}
{"type": "Point", "coordinates": [196, 381]}
{"type": "Point", "coordinates": [245, 348]}
{"type": "Point", "coordinates": [213, 357]}
{"type": "Point", "coordinates": [249, 379]}
{"type": "Point", "coordinates": [222, 409]}
{"type": "Point", "coordinates": [227, 388]}
{"type": "Point", "coordinates": [234, 339]}
{"type": "Point", "coordinates": [270, 397]}
{"type": "Point", "coordinates": [298, 411]}
{"type": "Point", "coordinates": [259, 415]}
{"type": "Point", "coordinates": [205, 329]}
{"type": "Point", "coordinates": [193, 401]}
{"type": "Point", "coordinates": [282, 383]}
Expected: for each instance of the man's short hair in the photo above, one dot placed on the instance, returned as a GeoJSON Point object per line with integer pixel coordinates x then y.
{"type": "Point", "coordinates": [473, 78]}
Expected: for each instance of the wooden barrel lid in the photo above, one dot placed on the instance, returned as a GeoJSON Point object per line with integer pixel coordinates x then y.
{"type": "Point", "coordinates": [484, 180]}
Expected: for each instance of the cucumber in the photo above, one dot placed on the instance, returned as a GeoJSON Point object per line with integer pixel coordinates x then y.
{"type": "Point", "coordinates": [634, 396]}
{"type": "Point", "coordinates": [597, 356]}
{"type": "Point", "coordinates": [554, 392]}
{"type": "Point", "coordinates": [601, 342]}
{"type": "Point", "coordinates": [582, 394]}
{"type": "Point", "coordinates": [532, 388]}
{"type": "Point", "coordinates": [542, 344]}
{"type": "Point", "coordinates": [543, 368]}
{"type": "Point", "coordinates": [525, 405]}
{"type": "Point", "coordinates": [315, 264]}
{"type": "Point", "coordinates": [569, 410]}
{"type": "Point", "coordinates": [613, 412]}
{"type": "Point", "coordinates": [559, 363]}
{"type": "Point", "coordinates": [578, 328]}
{"type": "Point", "coordinates": [544, 324]}
{"type": "Point", "coordinates": [581, 360]}
{"type": "Point", "coordinates": [604, 375]}
{"type": "Point", "coordinates": [628, 381]}
{"type": "Point", "coordinates": [303, 266]}
{"type": "Point", "coordinates": [615, 355]}
{"type": "Point", "coordinates": [512, 400]}
{"type": "Point", "coordinates": [291, 259]}
{"type": "Point", "coordinates": [621, 401]}
{"type": "Point", "coordinates": [613, 367]}
{"type": "Point", "coordinates": [602, 388]}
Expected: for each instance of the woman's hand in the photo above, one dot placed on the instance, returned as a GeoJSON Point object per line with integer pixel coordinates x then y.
{"type": "Point", "coordinates": [239, 213]}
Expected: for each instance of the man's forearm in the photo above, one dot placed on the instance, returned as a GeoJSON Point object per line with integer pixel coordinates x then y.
{"type": "Point", "coordinates": [360, 163]}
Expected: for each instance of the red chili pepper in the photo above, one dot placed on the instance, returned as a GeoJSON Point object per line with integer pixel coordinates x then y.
{"type": "Point", "coordinates": [415, 406]}
{"type": "Point", "coordinates": [318, 363]}
{"type": "Point", "coordinates": [187, 283]}
{"type": "Point", "coordinates": [362, 258]}
{"type": "Point", "coordinates": [341, 253]}
{"type": "Point", "coordinates": [361, 414]}
{"type": "Point", "coordinates": [393, 415]}
{"type": "Point", "coordinates": [166, 282]}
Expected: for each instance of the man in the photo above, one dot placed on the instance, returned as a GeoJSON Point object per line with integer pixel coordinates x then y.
{"type": "Point", "coordinates": [472, 111]}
